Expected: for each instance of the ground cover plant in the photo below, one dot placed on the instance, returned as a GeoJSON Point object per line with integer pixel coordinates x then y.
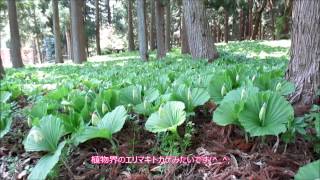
{"type": "Point", "coordinates": [235, 106]}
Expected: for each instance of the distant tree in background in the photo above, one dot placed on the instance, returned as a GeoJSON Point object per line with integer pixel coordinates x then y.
{"type": "Point", "coordinates": [199, 34]}
{"type": "Point", "coordinates": [153, 33]}
{"type": "Point", "coordinates": [15, 44]}
{"type": "Point", "coordinates": [160, 11]}
{"type": "Point", "coordinates": [142, 30]}
{"type": "Point", "coordinates": [168, 27]}
{"type": "Point", "coordinates": [130, 26]}
{"type": "Point", "coordinates": [97, 21]}
{"type": "Point", "coordinates": [78, 36]}
{"type": "Point", "coordinates": [57, 33]}
{"type": "Point", "coordinates": [304, 64]}
{"type": "Point", "coordinates": [2, 73]}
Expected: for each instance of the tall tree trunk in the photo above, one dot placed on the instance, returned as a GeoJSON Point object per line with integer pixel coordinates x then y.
{"type": "Point", "coordinates": [250, 18]}
{"type": "Point", "coordinates": [57, 33]}
{"type": "Point", "coordinates": [272, 24]}
{"type": "Point", "coordinates": [2, 73]}
{"type": "Point", "coordinates": [108, 11]}
{"type": "Point", "coordinates": [184, 36]}
{"type": "Point", "coordinates": [15, 46]}
{"type": "Point", "coordinates": [130, 27]}
{"type": "Point", "coordinates": [304, 64]}
{"type": "Point", "coordinates": [257, 19]}
{"type": "Point", "coordinates": [168, 27]}
{"type": "Point", "coordinates": [199, 34]}
{"type": "Point", "coordinates": [97, 27]}
{"type": "Point", "coordinates": [218, 33]}
{"type": "Point", "coordinates": [69, 43]}
{"type": "Point", "coordinates": [142, 31]}
{"type": "Point", "coordinates": [241, 25]}
{"type": "Point", "coordinates": [145, 23]}
{"type": "Point", "coordinates": [287, 17]}
{"type": "Point", "coordinates": [226, 25]}
{"type": "Point", "coordinates": [78, 35]}
{"type": "Point", "coordinates": [160, 9]}
{"type": "Point", "coordinates": [153, 33]}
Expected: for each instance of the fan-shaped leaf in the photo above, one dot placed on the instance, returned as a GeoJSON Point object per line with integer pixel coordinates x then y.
{"type": "Point", "coordinates": [169, 117]}
{"type": "Point", "coordinates": [265, 113]}
{"type": "Point", "coordinates": [218, 87]}
{"type": "Point", "coordinates": [46, 136]}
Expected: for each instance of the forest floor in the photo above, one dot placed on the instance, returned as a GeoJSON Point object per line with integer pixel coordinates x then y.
{"type": "Point", "coordinates": [255, 159]}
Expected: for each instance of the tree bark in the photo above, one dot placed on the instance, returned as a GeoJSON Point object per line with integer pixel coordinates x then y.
{"type": "Point", "coordinates": [250, 17]}
{"type": "Point", "coordinates": [257, 19]}
{"type": "Point", "coordinates": [304, 63]}
{"type": "Point", "coordinates": [153, 33]}
{"type": "Point", "coordinates": [184, 37]}
{"type": "Point", "coordinates": [15, 46]}
{"type": "Point", "coordinates": [199, 34]}
{"type": "Point", "coordinates": [69, 44]}
{"type": "Point", "coordinates": [168, 27]}
{"type": "Point", "coordinates": [241, 25]}
{"type": "Point", "coordinates": [78, 36]}
{"type": "Point", "coordinates": [130, 27]}
{"type": "Point", "coordinates": [272, 23]}
{"type": "Point", "coordinates": [226, 25]}
{"type": "Point", "coordinates": [57, 33]}
{"type": "Point", "coordinates": [161, 51]}
{"type": "Point", "coordinates": [142, 31]}
{"type": "Point", "coordinates": [108, 11]}
{"type": "Point", "coordinates": [97, 21]}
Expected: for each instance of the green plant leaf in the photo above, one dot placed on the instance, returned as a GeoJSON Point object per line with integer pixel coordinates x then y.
{"type": "Point", "coordinates": [91, 132]}
{"type": "Point", "coordinates": [4, 96]}
{"type": "Point", "coordinates": [130, 95]}
{"type": "Point", "coordinates": [46, 164]}
{"type": "Point", "coordinates": [46, 136]}
{"type": "Point", "coordinates": [276, 115]}
{"type": "Point", "coordinates": [216, 84]}
{"type": "Point", "coordinates": [169, 117]}
{"type": "Point", "coordinates": [310, 171]}
{"type": "Point", "coordinates": [114, 120]}
{"type": "Point", "coordinates": [192, 97]}
{"type": "Point", "coordinates": [232, 104]}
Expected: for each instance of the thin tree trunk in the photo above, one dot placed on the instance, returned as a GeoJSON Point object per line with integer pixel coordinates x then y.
{"type": "Point", "coordinates": [168, 27]}
{"type": "Point", "coordinates": [153, 33]}
{"type": "Point", "coordinates": [250, 18]}
{"type": "Point", "coordinates": [78, 36]}
{"type": "Point", "coordinates": [241, 24]}
{"type": "Point", "coordinates": [272, 24]}
{"type": "Point", "coordinates": [2, 72]}
{"type": "Point", "coordinates": [161, 51]}
{"type": "Point", "coordinates": [287, 17]}
{"type": "Point", "coordinates": [15, 46]}
{"type": "Point", "coordinates": [97, 21]}
{"type": "Point", "coordinates": [257, 19]}
{"type": "Point", "coordinates": [184, 37]}
{"type": "Point", "coordinates": [304, 63]}
{"type": "Point", "coordinates": [142, 31]}
{"type": "Point", "coordinates": [199, 34]}
{"type": "Point", "coordinates": [130, 27]}
{"type": "Point", "coordinates": [108, 11]}
{"type": "Point", "coordinates": [68, 39]}
{"type": "Point", "coordinates": [226, 25]}
{"type": "Point", "coordinates": [57, 33]}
